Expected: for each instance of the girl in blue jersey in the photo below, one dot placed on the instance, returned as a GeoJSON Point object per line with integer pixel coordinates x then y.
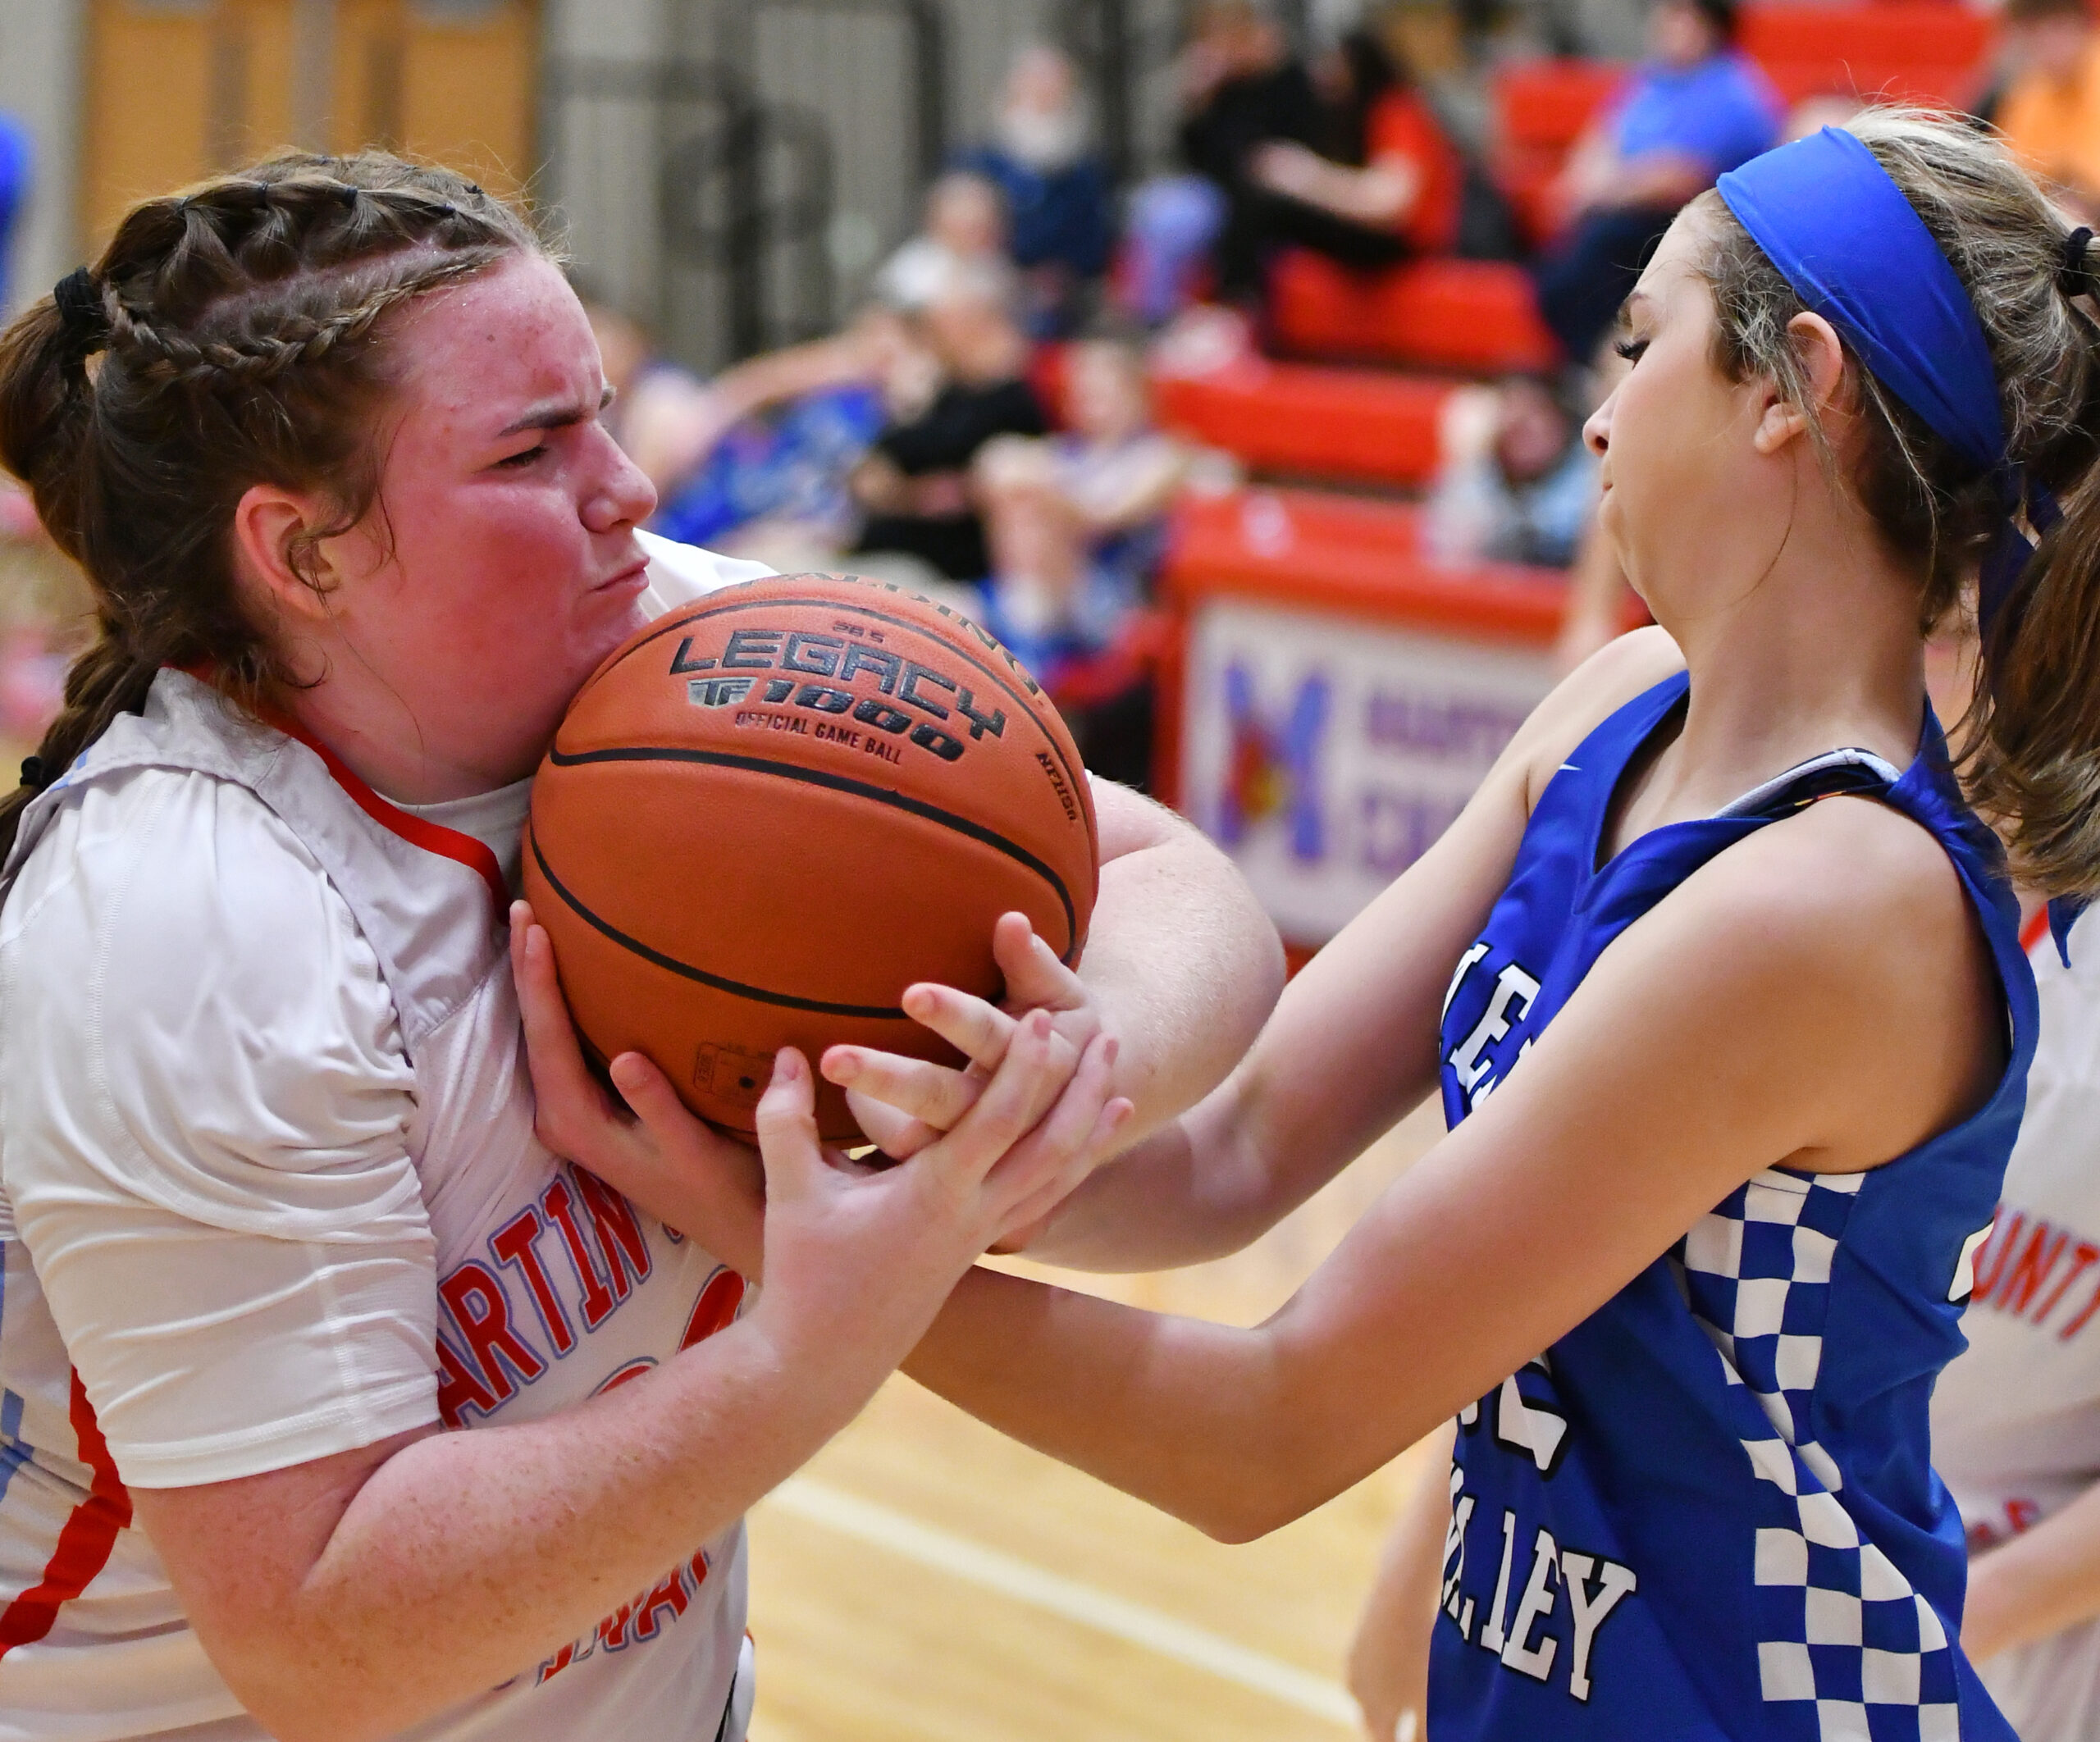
{"type": "Point", "coordinates": [1718, 978]}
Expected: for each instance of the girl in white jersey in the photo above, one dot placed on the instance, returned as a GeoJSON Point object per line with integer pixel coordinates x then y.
{"type": "Point", "coordinates": [324, 436]}
{"type": "Point", "coordinates": [2017, 1419]}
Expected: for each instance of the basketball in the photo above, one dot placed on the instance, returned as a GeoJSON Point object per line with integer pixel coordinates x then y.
{"type": "Point", "coordinates": [774, 810]}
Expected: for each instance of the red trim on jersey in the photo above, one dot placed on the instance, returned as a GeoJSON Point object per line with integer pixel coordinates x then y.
{"type": "Point", "coordinates": [419, 831]}
{"type": "Point", "coordinates": [85, 1542]}
{"type": "Point", "coordinates": [2035, 930]}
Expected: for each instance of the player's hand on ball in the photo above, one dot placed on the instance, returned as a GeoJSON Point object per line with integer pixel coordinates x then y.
{"type": "Point", "coordinates": [903, 1104]}
{"type": "Point", "coordinates": [649, 1148]}
{"type": "Point", "coordinates": [846, 1240]}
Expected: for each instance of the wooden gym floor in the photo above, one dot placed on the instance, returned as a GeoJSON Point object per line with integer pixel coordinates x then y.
{"type": "Point", "coordinates": [926, 1581]}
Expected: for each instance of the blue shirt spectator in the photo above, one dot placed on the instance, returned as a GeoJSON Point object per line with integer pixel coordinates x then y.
{"type": "Point", "coordinates": [1059, 200]}
{"type": "Point", "coordinates": [17, 162]}
{"type": "Point", "coordinates": [1695, 109]}
{"type": "Point", "coordinates": [1720, 112]}
{"type": "Point", "coordinates": [1056, 216]}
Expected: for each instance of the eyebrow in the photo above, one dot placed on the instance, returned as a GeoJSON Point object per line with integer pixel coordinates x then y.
{"type": "Point", "coordinates": [560, 414]}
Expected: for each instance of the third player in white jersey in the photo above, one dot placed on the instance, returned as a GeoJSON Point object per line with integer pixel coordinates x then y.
{"type": "Point", "coordinates": [2017, 1419]}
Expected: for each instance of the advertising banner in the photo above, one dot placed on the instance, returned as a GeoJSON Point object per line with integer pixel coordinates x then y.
{"type": "Point", "coordinates": [1326, 753]}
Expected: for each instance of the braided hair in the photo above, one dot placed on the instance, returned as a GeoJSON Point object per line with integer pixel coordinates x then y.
{"type": "Point", "coordinates": [229, 336]}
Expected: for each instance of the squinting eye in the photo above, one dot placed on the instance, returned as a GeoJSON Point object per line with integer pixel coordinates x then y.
{"type": "Point", "coordinates": [518, 461]}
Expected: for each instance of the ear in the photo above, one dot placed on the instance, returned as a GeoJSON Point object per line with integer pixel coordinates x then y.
{"type": "Point", "coordinates": [269, 526]}
{"type": "Point", "coordinates": [1816, 343]}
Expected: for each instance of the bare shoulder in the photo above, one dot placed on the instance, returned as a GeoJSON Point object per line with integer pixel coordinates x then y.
{"type": "Point", "coordinates": [1589, 695]}
{"type": "Point", "coordinates": [1850, 926]}
{"type": "Point", "coordinates": [1848, 869]}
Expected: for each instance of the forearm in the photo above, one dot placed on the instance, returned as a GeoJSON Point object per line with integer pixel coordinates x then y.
{"type": "Point", "coordinates": [1379, 196]}
{"type": "Point", "coordinates": [1189, 1193]}
{"type": "Point", "coordinates": [465, 1558]}
{"type": "Point", "coordinates": [2037, 1585]}
{"type": "Point", "coordinates": [761, 381]}
{"type": "Point", "coordinates": [1660, 180]}
{"type": "Point", "coordinates": [1145, 494]}
{"type": "Point", "coordinates": [1181, 1414]}
{"type": "Point", "coordinates": [1183, 962]}
{"type": "Point", "coordinates": [1297, 1109]}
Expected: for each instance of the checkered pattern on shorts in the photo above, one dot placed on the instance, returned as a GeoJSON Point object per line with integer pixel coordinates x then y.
{"type": "Point", "coordinates": [1839, 1625]}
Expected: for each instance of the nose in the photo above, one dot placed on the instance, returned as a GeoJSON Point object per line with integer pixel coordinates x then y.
{"type": "Point", "coordinates": [621, 493]}
{"type": "Point", "coordinates": [1596, 429]}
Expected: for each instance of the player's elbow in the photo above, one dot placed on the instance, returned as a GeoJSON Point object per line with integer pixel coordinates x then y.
{"type": "Point", "coordinates": [299, 1687]}
{"type": "Point", "coordinates": [292, 1708]}
{"type": "Point", "coordinates": [1260, 1498]}
{"type": "Point", "coordinates": [1247, 1518]}
{"type": "Point", "coordinates": [1237, 1526]}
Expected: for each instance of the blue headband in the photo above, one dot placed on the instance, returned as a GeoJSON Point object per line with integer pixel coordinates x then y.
{"type": "Point", "coordinates": [1855, 250]}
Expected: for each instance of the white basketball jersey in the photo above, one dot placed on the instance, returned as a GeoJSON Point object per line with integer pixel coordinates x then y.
{"type": "Point", "coordinates": [551, 1288]}
{"type": "Point", "coordinates": [2017, 1419]}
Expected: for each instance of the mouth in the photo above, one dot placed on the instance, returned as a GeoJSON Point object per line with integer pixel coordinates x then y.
{"type": "Point", "coordinates": [633, 578]}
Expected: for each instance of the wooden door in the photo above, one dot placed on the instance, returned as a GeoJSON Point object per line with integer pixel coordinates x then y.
{"type": "Point", "coordinates": [178, 90]}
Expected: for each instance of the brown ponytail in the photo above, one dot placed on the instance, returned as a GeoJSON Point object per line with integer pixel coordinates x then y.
{"type": "Point", "coordinates": [2033, 745]}
{"type": "Point", "coordinates": [227, 337]}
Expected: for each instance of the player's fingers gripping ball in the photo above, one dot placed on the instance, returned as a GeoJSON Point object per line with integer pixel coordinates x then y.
{"type": "Point", "coordinates": [774, 810]}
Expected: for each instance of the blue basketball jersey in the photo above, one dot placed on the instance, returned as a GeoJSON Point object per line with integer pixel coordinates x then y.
{"type": "Point", "coordinates": [1707, 1511]}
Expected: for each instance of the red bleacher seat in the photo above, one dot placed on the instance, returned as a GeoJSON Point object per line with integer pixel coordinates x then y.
{"type": "Point", "coordinates": [1345, 554]}
{"type": "Point", "coordinates": [1300, 418]}
{"type": "Point", "coordinates": [1919, 33]}
{"type": "Point", "coordinates": [1470, 316]}
{"type": "Point", "coordinates": [1545, 105]}
{"type": "Point", "coordinates": [1475, 315]}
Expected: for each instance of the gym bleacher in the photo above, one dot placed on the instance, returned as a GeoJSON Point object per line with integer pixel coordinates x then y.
{"type": "Point", "coordinates": [1345, 414]}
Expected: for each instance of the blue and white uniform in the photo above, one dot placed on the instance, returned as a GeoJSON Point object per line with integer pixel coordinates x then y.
{"type": "Point", "coordinates": [1707, 1512]}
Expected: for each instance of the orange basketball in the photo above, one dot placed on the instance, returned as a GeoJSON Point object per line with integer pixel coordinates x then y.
{"type": "Point", "coordinates": [773, 810]}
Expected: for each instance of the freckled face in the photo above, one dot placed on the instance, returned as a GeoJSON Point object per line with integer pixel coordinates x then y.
{"type": "Point", "coordinates": [500, 566]}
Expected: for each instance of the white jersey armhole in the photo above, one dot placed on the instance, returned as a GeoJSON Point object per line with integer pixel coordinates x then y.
{"type": "Point", "coordinates": [680, 573]}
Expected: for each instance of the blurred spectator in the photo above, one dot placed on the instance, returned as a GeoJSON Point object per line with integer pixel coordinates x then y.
{"type": "Point", "coordinates": [914, 483]}
{"type": "Point", "coordinates": [1057, 194]}
{"type": "Point", "coordinates": [1118, 469]}
{"type": "Point", "coordinates": [1165, 265]}
{"type": "Point", "coordinates": [661, 415]}
{"type": "Point", "coordinates": [1694, 110]}
{"type": "Point", "coordinates": [2050, 111]}
{"type": "Point", "coordinates": [1113, 475]}
{"type": "Point", "coordinates": [1515, 484]}
{"type": "Point", "coordinates": [1077, 526]}
{"type": "Point", "coordinates": [1241, 89]}
{"type": "Point", "coordinates": [963, 227]}
{"type": "Point", "coordinates": [1388, 182]}
{"type": "Point", "coordinates": [17, 160]}
{"type": "Point", "coordinates": [783, 433]}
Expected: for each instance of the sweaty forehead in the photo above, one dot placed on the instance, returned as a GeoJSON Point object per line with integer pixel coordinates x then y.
{"type": "Point", "coordinates": [509, 338]}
